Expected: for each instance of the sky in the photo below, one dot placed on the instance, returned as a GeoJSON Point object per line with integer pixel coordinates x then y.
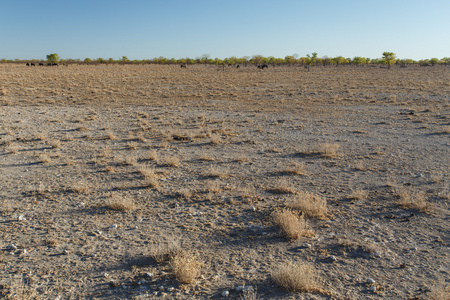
{"type": "Point", "coordinates": [138, 29]}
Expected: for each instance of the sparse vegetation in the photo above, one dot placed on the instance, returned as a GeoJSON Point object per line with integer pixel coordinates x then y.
{"type": "Point", "coordinates": [310, 204]}
{"type": "Point", "coordinates": [120, 203]}
{"type": "Point", "coordinates": [296, 277]}
{"type": "Point", "coordinates": [291, 224]}
{"type": "Point", "coordinates": [99, 199]}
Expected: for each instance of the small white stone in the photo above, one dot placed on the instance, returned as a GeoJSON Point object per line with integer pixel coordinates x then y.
{"type": "Point", "coordinates": [113, 226]}
{"type": "Point", "coordinates": [66, 252]}
{"type": "Point", "coordinates": [370, 281]}
{"type": "Point", "coordinates": [240, 288]}
{"type": "Point", "coordinates": [170, 289]}
{"type": "Point", "coordinates": [161, 288]}
{"type": "Point", "coordinates": [105, 274]}
{"type": "Point", "coordinates": [11, 247]}
{"type": "Point", "coordinates": [307, 245]}
{"type": "Point", "coordinates": [373, 288]}
{"type": "Point", "coordinates": [149, 274]}
{"type": "Point", "coordinates": [333, 258]}
{"type": "Point", "coordinates": [225, 293]}
{"type": "Point", "coordinates": [21, 218]}
{"type": "Point", "coordinates": [253, 208]}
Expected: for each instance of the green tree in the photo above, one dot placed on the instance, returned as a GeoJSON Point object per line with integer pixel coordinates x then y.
{"type": "Point", "coordinates": [389, 58]}
{"type": "Point", "coordinates": [87, 60]}
{"type": "Point", "coordinates": [434, 61]}
{"type": "Point", "coordinates": [53, 58]}
{"type": "Point", "coordinates": [290, 59]}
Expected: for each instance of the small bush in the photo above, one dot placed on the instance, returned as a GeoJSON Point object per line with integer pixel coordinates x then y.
{"type": "Point", "coordinates": [329, 150]}
{"type": "Point", "coordinates": [290, 223]}
{"type": "Point", "coordinates": [296, 277]}
{"type": "Point", "coordinates": [186, 267]}
{"type": "Point", "coordinates": [411, 199]}
{"type": "Point", "coordinates": [119, 203]}
{"type": "Point", "coordinates": [310, 204]}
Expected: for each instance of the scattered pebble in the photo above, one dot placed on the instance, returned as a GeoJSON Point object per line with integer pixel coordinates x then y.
{"type": "Point", "coordinates": [373, 288]}
{"type": "Point", "coordinates": [161, 288]}
{"type": "Point", "coordinates": [253, 208]}
{"type": "Point", "coordinates": [11, 247]}
{"type": "Point", "coordinates": [370, 281]}
{"type": "Point", "coordinates": [240, 288]}
{"type": "Point", "coordinates": [333, 258]}
{"type": "Point", "coordinates": [225, 293]}
{"type": "Point", "coordinates": [307, 245]}
{"type": "Point", "coordinates": [21, 218]}
{"type": "Point", "coordinates": [105, 274]}
{"type": "Point", "coordinates": [170, 289]}
{"type": "Point", "coordinates": [66, 252]}
{"type": "Point", "coordinates": [113, 226]}
{"type": "Point", "coordinates": [149, 274]}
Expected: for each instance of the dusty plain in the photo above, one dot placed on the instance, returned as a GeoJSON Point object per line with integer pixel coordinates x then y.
{"type": "Point", "coordinates": [108, 172]}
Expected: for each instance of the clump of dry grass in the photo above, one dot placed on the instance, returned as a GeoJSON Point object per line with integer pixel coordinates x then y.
{"type": "Point", "coordinates": [111, 136]}
{"type": "Point", "coordinates": [120, 203]}
{"type": "Point", "coordinates": [147, 172]}
{"type": "Point", "coordinates": [13, 148]}
{"type": "Point", "coordinates": [80, 187]}
{"type": "Point", "coordinates": [151, 155]}
{"type": "Point", "coordinates": [294, 168]}
{"type": "Point", "coordinates": [215, 139]}
{"type": "Point", "coordinates": [290, 223]}
{"type": "Point", "coordinates": [55, 144]}
{"type": "Point", "coordinates": [186, 267]}
{"type": "Point", "coordinates": [215, 172]}
{"type": "Point", "coordinates": [206, 157]}
{"type": "Point", "coordinates": [172, 161]}
{"type": "Point", "coordinates": [214, 187]}
{"type": "Point", "coordinates": [282, 187]}
{"type": "Point", "coordinates": [407, 198]}
{"type": "Point", "coordinates": [165, 251]}
{"type": "Point", "coordinates": [296, 277]}
{"type": "Point", "coordinates": [132, 145]}
{"type": "Point", "coordinates": [329, 150]}
{"type": "Point", "coordinates": [358, 195]}
{"type": "Point", "coordinates": [45, 158]}
{"type": "Point", "coordinates": [310, 204]}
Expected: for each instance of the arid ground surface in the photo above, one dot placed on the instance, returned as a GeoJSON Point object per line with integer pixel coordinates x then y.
{"type": "Point", "coordinates": [108, 172]}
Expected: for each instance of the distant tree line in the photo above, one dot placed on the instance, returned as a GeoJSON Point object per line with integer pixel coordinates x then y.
{"type": "Point", "coordinates": [388, 58]}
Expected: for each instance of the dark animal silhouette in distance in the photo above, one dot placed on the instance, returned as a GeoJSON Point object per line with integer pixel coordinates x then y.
{"type": "Point", "coordinates": [183, 66]}
{"type": "Point", "coordinates": [262, 67]}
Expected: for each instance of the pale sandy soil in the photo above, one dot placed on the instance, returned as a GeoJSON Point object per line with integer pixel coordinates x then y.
{"type": "Point", "coordinates": [206, 156]}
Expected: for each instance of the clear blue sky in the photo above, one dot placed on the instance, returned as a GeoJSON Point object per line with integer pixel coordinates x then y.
{"type": "Point", "coordinates": [141, 29]}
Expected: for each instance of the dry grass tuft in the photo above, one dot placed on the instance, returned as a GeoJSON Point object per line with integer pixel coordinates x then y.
{"type": "Point", "coordinates": [147, 172]}
{"type": "Point", "coordinates": [186, 267]}
{"type": "Point", "coordinates": [166, 251]}
{"type": "Point", "coordinates": [310, 204]}
{"type": "Point", "coordinates": [329, 150]}
{"type": "Point", "coordinates": [172, 161]}
{"type": "Point", "coordinates": [111, 136]}
{"type": "Point", "coordinates": [151, 155]}
{"type": "Point", "coordinates": [407, 198]}
{"type": "Point", "coordinates": [282, 187]}
{"type": "Point", "coordinates": [55, 144]}
{"type": "Point", "coordinates": [120, 203]}
{"type": "Point", "coordinates": [358, 195]}
{"type": "Point", "coordinates": [294, 168]}
{"type": "Point", "coordinates": [296, 277]}
{"type": "Point", "coordinates": [44, 158]}
{"type": "Point", "coordinates": [80, 187]}
{"type": "Point", "coordinates": [290, 223]}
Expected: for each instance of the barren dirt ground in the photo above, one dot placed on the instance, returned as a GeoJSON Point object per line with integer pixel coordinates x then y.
{"type": "Point", "coordinates": [108, 172]}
